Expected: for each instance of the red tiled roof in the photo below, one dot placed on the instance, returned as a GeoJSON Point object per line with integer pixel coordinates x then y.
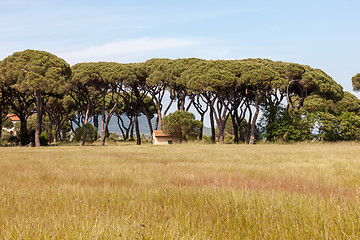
{"type": "Point", "coordinates": [13, 117]}
{"type": "Point", "coordinates": [159, 133]}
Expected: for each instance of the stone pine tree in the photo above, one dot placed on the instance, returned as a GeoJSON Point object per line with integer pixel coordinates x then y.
{"type": "Point", "coordinates": [40, 72]}
{"type": "Point", "coordinates": [91, 83]}
{"type": "Point", "coordinates": [356, 82]}
{"type": "Point", "coordinates": [182, 124]}
{"type": "Point", "coordinates": [157, 83]}
{"type": "Point", "coordinates": [4, 98]}
{"type": "Point", "coordinates": [259, 80]}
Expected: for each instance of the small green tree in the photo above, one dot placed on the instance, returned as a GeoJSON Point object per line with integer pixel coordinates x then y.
{"type": "Point", "coordinates": [356, 82]}
{"type": "Point", "coordinates": [38, 72]}
{"type": "Point", "coordinates": [285, 128]}
{"type": "Point", "coordinates": [86, 133]}
{"type": "Point", "coordinates": [181, 124]}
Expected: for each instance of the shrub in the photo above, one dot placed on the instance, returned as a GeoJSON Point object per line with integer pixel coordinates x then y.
{"type": "Point", "coordinates": [86, 133]}
{"type": "Point", "coordinates": [182, 124]}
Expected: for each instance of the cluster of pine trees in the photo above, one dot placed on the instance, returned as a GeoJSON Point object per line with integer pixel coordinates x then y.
{"type": "Point", "coordinates": [245, 99]}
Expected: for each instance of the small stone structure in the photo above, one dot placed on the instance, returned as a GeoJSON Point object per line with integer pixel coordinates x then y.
{"type": "Point", "coordinates": [160, 138]}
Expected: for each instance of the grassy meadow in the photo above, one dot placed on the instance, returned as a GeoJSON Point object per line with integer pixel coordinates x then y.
{"type": "Point", "coordinates": [188, 191]}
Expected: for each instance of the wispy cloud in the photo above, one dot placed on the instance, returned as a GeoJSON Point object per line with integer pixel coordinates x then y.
{"type": "Point", "coordinates": [126, 50]}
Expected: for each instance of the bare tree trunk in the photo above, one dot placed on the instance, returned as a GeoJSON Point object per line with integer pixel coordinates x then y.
{"type": "Point", "coordinates": [159, 117]}
{"type": "Point", "coordinates": [168, 107]}
{"type": "Point", "coordinates": [24, 134]}
{"type": "Point", "coordinates": [1, 119]}
{"type": "Point", "coordinates": [120, 127]}
{"type": "Point", "coordinates": [145, 111]}
{"type": "Point", "coordinates": [103, 127]}
{"type": "Point", "coordinates": [103, 134]}
{"type": "Point", "coordinates": [56, 131]}
{"type": "Point", "coordinates": [132, 132]}
{"type": "Point", "coordinates": [39, 109]}
{"type": "Point", "coordinates": [253, 123]}
{"type": "Point", "coordinates": [49, 131]}
{"type": "Point", "coordinates": [86, 119]}
{"type": "Point", "coordinates": [202, 129]}
{"type": "Point", "coordinates": [137, 130]}
{"type": "Point", "coordinates": [235, 127]}
{"type": "Point", "coordinates": [96, 123]}
{"type": "Point", "coordinates": [107, 132]}
{"type": "Point", "coordinates": [247, 135]}
{"type": "Point", "coordinates": [221, 133]}
{"type": "Point", "coordinates": [212, 125]}
{"type": "Point", "coordinates": [240, 129]}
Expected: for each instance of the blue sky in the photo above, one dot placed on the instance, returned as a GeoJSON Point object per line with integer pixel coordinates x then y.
{"type": "Point", "coordinates": [322, 34]}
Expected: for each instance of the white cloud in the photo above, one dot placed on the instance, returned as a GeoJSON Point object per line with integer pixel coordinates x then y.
{"type": "Point", "coordinates": [127, 50]}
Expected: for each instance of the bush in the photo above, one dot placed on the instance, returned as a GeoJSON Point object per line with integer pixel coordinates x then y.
{"type": "Point", "coordinates": [8, 139]}
{"type": "Point", "coordinates": [182, 124]}
{"type": "Point", "coordinates": [229, 139]}
{"type": "Point", "coordinates": [113, 137]}
{"type": "Point", "coordinates": [86, 133]}
{"type": "Point", "coordinates": [43, 138]}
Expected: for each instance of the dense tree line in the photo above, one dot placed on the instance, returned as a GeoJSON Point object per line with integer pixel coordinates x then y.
{"type": "Point", "coordinates": [249, 99]}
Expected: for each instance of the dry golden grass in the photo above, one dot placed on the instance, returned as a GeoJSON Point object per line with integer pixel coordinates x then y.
{"type": "Point", "coordinates": [189, 191]}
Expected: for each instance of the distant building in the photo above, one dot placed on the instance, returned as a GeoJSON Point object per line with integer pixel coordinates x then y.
{"type": "Point", "coordinates": [160, 138]}
{"type": "Point", "coordinates": [14, 118]}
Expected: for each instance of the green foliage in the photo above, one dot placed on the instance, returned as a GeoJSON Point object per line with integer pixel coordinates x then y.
{"type": "Point", "coordinates": [286, 129]}
{"type": "Point", "coordinates": [182, 124]}
{"type": "Point", "coordinates": [113, 137]}
{"type": "Point", "coordinates": [326, 125]}
{"type": "Point", "coordinates": [229, 139]}
{"type": "Point", "coordinates": [349, 126]}
{"type": "Point", "coordinates": [356, 82]}
{"type": "Point", "coordinates": [334, 120]}
{"type": "Point", "coordinates": [6, 122]}
{"type": "Point", "coordinates": [87, 132]}
{"type": "Point", "coordinates": [343, 127]}
{"type": "Point", "coordinates": [36, 70]}
{"type": "Point", "coordinates": [95, 87]}
{"type": "Point", "coordinates": [229, 131]}
{"type": "Point", "coordinates": [8, 139]}
{"type": "Point", "coordinates": [316, 103]}
{"type": "Point", "coordinates": [260, 78]}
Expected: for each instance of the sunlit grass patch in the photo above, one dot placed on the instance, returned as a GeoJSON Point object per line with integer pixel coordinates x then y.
{"type": "Point", "coordinates": [189, 191]}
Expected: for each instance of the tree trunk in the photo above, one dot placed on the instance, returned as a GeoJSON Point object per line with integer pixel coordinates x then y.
{"type": "Point", "coordinates": [24, 134]}
{"type": "Point", "coordinates": [212, 125]}
{"type": "Point", "coordinates": [105, 124]}
{"type": "Point", "coordinates": [182, 105]}
{"type": "Point", "coordinates": [248, 129]}
{"type": "Point", "coordinates": [39, 110]}
{"type": "Point", "coordinates": [103, 129]}
{"type": "Point", "coordinates": [119, 125]}
{"type": "Point", "coordinates": [159, 117]}
{"type": "Point", "coordinates": [49, 131]}
{"type": "Point", "coordinates": [1, 120]}
{"type": "Point", "coordinates": [86, 119]}
{"type": "Point", "coordinates": [107, 132]}
{"type": "Point", "coordinates": [221, 133]}
{"type": "Point", "coordinates": [240, 129]}
{"type": "Point", "coordinates": [253, 123]}
{"type": "Point", "coordinates": [235, 127]}
{"type": "Point", "coordinates": [138, 137]}
{"type": "Point", "coordinates": [96, 123]}
{"type": "Point", "coordinates": [132, 132]}
{"type": "Point", "coordinates": [56, 131]}
{"type": "Point", "coordinates": [202, 129]}
{"type": "Point", "coordinates": [145, 111]}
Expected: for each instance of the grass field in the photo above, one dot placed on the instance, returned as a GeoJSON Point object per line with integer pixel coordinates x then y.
{"type": "Point", "coordinates": [189, 191]}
